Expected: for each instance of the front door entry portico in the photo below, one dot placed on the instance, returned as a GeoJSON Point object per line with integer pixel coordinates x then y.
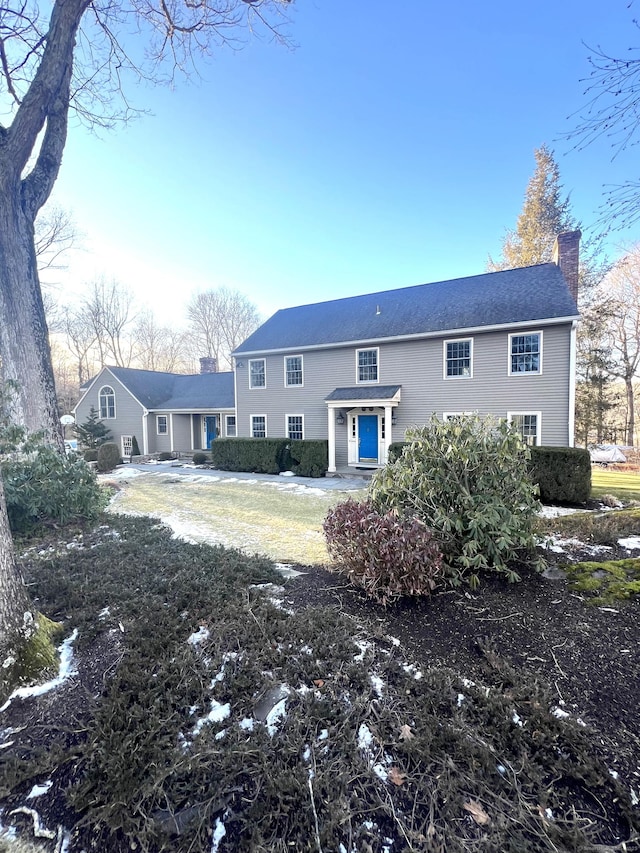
{"type": "Point", "coordinates": [368, 438]}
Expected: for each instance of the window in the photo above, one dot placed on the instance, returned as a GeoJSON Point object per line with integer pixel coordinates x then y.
{"type": "Point", "coordinates": [107, 402]}
{"type": "Point", "coordinates": [162, 425]}
{"type": "Point", "coordinates": [528, 425]}
{"type": "Point", "coordinates": [367, 361]}
{"type": "Point", "coordinates": [127, 445]}
{"type": "Point", "coordinates": [231, 426]}
{"type": "Point", "coordinates": [295, 427]}
{"type": "Point", "coordinates": [525, 353]}
{"type": "Point", "coordinates": [257, 373]}
{"type": "Point", "coordinates": [457, 356]}
{"type": "Point", "coordinates": [293, 370]}
{"type": "Point", "coordinates": [258, 426]}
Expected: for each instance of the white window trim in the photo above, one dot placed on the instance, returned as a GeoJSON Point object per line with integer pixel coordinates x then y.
{"type": "Point", "coordinates": [525, 372]}
{"type": "Point", "coordinates": [251, 417]}
{"type": "Point", "coordinates": [511, 415]}
{"type": "Point", "coordinates": [115, 411]}
{"type": "Point", "coordinates": [301, 357]}
{"type": "Point", "coordinates": [226, 426]}
{"type": "Point", "coordinates": [444, 358]}
{"type": "Point", "coordinates": [368, 381]}
{"type": "Point", "coordinates": [286, 423]}
{"type": "Point", "coordinates": [166, 418]}
{"type": "Point", "coordinates": [258, 387]}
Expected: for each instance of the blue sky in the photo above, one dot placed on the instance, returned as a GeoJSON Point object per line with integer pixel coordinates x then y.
{"type": "Point", "coordinates": [392, 147]}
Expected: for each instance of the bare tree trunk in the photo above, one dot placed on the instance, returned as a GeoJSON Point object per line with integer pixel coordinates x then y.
{"type": "Point", "coordinates": [24, 346]}
{"type": "Point", "coordinates": [15, 614]}
{"type": "Point", "coordinates": [631, 417]}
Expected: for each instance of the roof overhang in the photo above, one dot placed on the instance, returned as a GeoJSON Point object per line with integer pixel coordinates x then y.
{"type": "Point", "coordinates": [364, 395]}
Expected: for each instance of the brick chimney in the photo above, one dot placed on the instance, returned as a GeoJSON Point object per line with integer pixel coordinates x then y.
{"type": "Point", "coordinates": [208, 364]}
{"type": "Point", "coordinates": [566, 255]}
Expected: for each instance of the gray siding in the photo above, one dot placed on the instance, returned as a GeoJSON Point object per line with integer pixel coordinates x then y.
{"type": "Point", "coordinates": [418, 366]}
{"type": "Point", "coordinates": [129, 413]}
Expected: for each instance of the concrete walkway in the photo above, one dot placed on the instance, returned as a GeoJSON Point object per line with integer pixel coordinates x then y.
{"type": "Point", "coordinates": [344, 484]}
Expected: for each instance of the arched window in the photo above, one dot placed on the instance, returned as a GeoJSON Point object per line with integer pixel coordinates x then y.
{"type": "Point", "coordinates": [107, 400]}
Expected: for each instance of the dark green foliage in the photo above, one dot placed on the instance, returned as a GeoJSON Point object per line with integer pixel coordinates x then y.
{"type": "Point", "coordinates": [395, 450]}
{"type": "Point", "coordinates": [310, 457]}
{"type": "Point", "coordinates": [563, 474]}
{"type": "Point", "coordinates": [258, 455]}
{"type": "Point", "coordinates": [199, 458]}
{"type": "Point", "coordinates": [91, 455]}
{"type": "Point", "coordinates": [388, 556]}
{"type": "Point", "coordinates": [92, 433]}
{"type": "Point", "coordinates": [135, 449]}
{"type": "Point", "coordinates": [45, 486]}
{"type": "Point", "coordinates": [108, 456]}
{"type": "Point", "coordinates": [467, 480]}
{"type": "Point", "coordinates": [165, 456]}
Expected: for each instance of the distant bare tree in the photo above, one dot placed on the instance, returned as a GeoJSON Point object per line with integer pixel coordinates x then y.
{"type": "Point", "coordinates": [219, 320]}
{"type": "Point", "coordinates": [108, 309]}
{"type": "Point", "coordinates": [159, 347]}
{"type": "Point", "coordinates": [55, 234]}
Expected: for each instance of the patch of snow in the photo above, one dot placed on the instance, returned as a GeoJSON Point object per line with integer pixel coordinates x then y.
{"type": "Point", "coordinates": [501, 769]}
{"type": "Point", "coordinates": [393, 640]}
{"type": "Point", "coordinates": [411, 669]}
{"type": "Point", "coordinates": [306, 755]}
{"type": "Point", "coordinates": [516, 719]}
{"type": "Point", "coordinates": [461, 698]}
{"type": "Point", "coordinates": [106, 611]}
{"type": "Point", "coordinates": [365, 738]}
{"type": "Point", "coordinates": [246, 724]}
{"type": "Point", "coordinates": [364, 647]}
{"type": "Point", "coordinates": [287, 474]}
{"type": "Point", "coordinates": [217, 714]}
{"type": "Point", "coordinates": [287, 570]}
{"type": "Point", "coordinates": [556, 511]}
{"type": "Point", "coordinates": [39, 790]}
{"type": "Point", "coordinates": [377, 683]}
{"type": "Point", "coordinates": [380, 772]}
{"type": "Point", "coordinates": [614, 774]}
{"type": "Point", "coordinates": [631, 543]}
{"type": "Point", "coordinates": [608, 609]}
{"type": "Point", "coordinates": [199, 636]}
{"type": "Point", "coordinates": [634, 797]}
{"type": "Point", "coordinates": [219, 833]}
{"type": "Point", "coordinates": [559, 713]}
{"type": "Point", "coordinates": [66, 669]}
{"type": "Point", "coordinates": [278, 712]}
{"type": "Point", "coordinates": [324, 734]}
{"type": "Point", "coordinates": [219, 735]}
{"type": "Point", "coordinates": [548, 814]}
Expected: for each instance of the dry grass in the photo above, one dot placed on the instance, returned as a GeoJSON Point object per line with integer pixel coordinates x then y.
{"type": "Point", "coordinates": [282, 521]}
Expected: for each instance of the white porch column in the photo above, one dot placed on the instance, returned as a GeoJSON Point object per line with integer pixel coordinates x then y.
{"type": "Point", "coordinates": [145, 432]}
{"type": "Point", "coordinates": [331, 432]}
{"type": "Point", "coordinates": [388, 417]}
{"type": "Point", "coordinates": [171, 447]}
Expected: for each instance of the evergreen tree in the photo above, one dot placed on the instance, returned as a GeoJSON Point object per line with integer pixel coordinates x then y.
{"type": "Point", "coordinates": [92, 433]}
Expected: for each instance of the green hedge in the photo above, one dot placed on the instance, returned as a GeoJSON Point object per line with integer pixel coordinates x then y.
{"type": "Point", "coordinates": [562, 473]}
{"type": "Point", "coordinates": [256, 455]}
{"type": "Point", "coordinates": [310, 457]}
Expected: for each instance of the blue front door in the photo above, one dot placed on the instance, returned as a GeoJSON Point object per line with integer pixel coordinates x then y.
{"type": "Point", "coordinates": [210, 423]}
{"type": "Point", "coordinates": [367, 438]}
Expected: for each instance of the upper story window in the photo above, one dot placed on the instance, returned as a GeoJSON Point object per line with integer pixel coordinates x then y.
{"type": "Point", "coordinates": [367, 365]}
{"type": "Point", "coordinates": [295, 427]}
{"type": "Point", "coordinates": [293, 370]}
{"type": "Point", "coordinates": [528, 424]}
{"type": "Point", "coordinates": [257, 373]}
{"type": "Point", "coordinates": [258, 426]}
{"type": "Point", "coordinates": [231, 426]}
{"type": "Point", "coordinates": [162, 424]}
{"type": "Point", "coordinates": [458, 358]}
{"type": "Point", "coordinates": [107, 402]}
{"type": "Point", "coordinates": [525, 353]}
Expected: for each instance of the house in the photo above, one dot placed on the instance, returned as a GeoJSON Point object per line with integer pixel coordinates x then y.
{"type": "Point", "coordinates": [164, 411]}
{"type": "Point", "coordinates": [360, 370]}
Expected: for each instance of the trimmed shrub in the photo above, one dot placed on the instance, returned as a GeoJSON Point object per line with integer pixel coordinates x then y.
{"type": "Point", "coordinates": [256, 455]}
{"type": "Point", "coordinates": [563, 474]}
{"type": "Point", "coordinates": [165, 455]}
{"type": "Point", "coordinates": [310, 457]}
{"type": "Point", "coordinates": [199, 458]}
{"type": "Point", "coordinates": [46, 486]}
{"type": "Point", "coordinates": [468, 480]}
{"type": "Point", "coordinates": [135, 448]}
{"type": "Point", "coordinates": [108, 456]}
{"type": "Point", "coordinates": [91, 455]}
{"type": "Point", "coordinates": [395, 450]}
{"type": "Point", "coordinates": [388, 556]}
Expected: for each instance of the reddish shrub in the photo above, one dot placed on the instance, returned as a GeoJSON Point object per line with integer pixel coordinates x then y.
{"type": "Point", "coordinates": [388, 556]}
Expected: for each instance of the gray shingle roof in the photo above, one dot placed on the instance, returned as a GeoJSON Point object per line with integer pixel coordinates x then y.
{"type": "Point", "coordinates": [364, 392]}
{"type": "Point", "coordinates": [171, 391]}
{"type": "Point", "coordinates": [509, 296]}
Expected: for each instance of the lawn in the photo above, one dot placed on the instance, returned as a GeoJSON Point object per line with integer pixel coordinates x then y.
{"type": "Point", "coordinates": [282, 520]}
{"type": "Point", "coordinates": [622, 484]}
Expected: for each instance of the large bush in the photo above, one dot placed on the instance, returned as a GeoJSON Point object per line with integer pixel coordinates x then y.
{"type": "Point", "coordinates": [257, 455]}
{"type": "Point", "coordinates": [563, 474]}
{"type": "Point", "coordinates": [310, 457]}
{"type": "Point", "coordinates": [44, 486]}
{"type": "Point", "coordinates": [108, 456]}
{"type": "Point", "coordinates": [468, 480]}
{"type": "Point", "coordinates": [388, 556]}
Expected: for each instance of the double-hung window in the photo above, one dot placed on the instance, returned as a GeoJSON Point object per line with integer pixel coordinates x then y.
{"type": "Point", "coordinates": [162, 426]}
{"type": "Point", "coordinates": [293, 370]}
{"type": "Point", "coordinates": [367, 365]}
{"type": "Point", "coordinates": [258, 426]}
{"type": "Point", "coordinates": [295, 427]}
{"type": "Point", "coordinates": [107, 402]}
{"type": "Point", "coordinates": [458, 357]}
{"type": "Point", "coordinates": [525, 353]}
{"type": "Point", "coordinates": [231, 426]}
{"type": "Point", "coordinates": [257, 373]}
{"type": "Point", "coordinates": [528, 424]}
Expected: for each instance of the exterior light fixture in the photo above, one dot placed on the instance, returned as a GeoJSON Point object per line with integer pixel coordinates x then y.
{"type": "Point", "coordinates": [394, 418]}
{"type": "Point", "coordinates": [340, 418]}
